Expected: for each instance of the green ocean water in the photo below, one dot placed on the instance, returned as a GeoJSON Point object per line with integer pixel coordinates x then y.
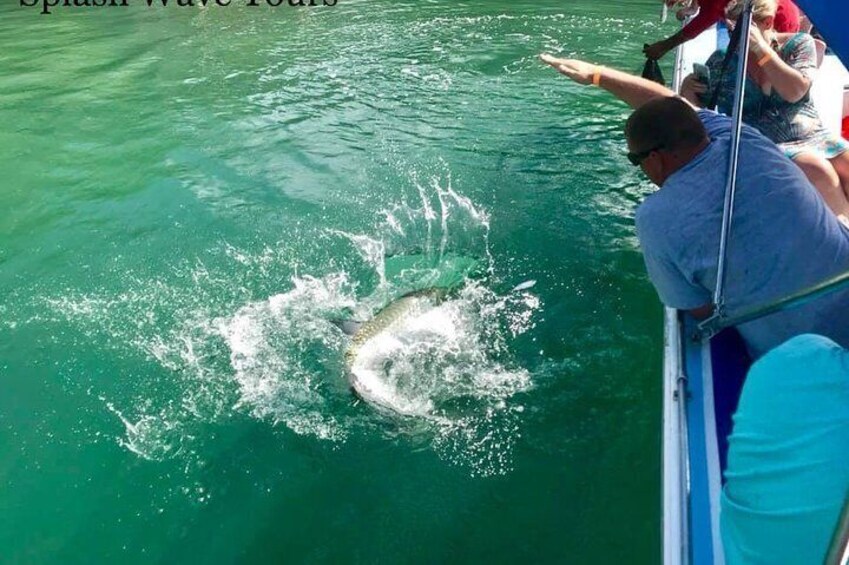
{"type": "Point", "coordinates": [190, 195]}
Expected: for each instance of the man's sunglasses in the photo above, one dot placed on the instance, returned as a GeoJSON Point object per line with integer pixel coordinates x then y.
{"type": "Point", "coordinates": [637, 158]}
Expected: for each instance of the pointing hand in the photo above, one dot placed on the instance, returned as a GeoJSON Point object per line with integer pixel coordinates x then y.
{"type": "Point", "coordinates": [577, 70]}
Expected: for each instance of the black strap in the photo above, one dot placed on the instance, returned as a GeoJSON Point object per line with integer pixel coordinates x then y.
{"type": "Point", "coordinates": [733, 44]}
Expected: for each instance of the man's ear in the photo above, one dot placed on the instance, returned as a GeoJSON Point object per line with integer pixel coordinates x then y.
{"type": "Point", "coordinates": [654, 167]}
{"type": "Point", "coordinates": [667, 158]}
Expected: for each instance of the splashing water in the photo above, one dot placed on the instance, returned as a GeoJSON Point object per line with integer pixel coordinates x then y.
{"type": "Point", "coordinates": [282, 351]}
{"type": "Point", "coordinates": [447, 368]}
{"type": "Point", "coordinates": [447, 365]}
{"type": "Point", "coordinates": [371, 250]}
{"type": "Point", "coordinates": [154, 438]}
{"type": "Point", "coordinates": [443, 214]}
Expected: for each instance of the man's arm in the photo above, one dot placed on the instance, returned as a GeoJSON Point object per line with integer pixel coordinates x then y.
{"type": "Point", "coordinates": [633, 90]}
{"type": "Point", "coordinates": [710, 11]}
{"type": "Point", "coordinates": [709, 14]}
{"type": "Point", "coordinates": [660, 48]}
{"type": "Point", "coordinates": [791, 84]}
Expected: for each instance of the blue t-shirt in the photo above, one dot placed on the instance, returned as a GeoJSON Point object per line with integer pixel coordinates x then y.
{"type": "Point", "coordinates": [783, 238]}
{"type": "Point", "coordinates": [788, 457]}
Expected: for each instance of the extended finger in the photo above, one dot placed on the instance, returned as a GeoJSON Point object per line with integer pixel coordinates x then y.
{"type": "Point", "coordinates": [550, 59]}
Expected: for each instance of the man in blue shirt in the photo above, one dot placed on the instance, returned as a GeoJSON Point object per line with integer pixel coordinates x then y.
{"type": "Point", "coordinates": [783, 236]}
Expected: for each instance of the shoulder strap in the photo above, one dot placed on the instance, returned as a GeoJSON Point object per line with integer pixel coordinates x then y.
{"type": "Point", "coordinates": [733, 43]}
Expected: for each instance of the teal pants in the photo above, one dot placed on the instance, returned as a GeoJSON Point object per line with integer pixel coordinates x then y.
{"type": "Point", "coordinates": [788, 456]}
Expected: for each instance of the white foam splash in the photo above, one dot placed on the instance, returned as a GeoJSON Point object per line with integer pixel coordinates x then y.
{"type": "Point", "coordinates": [154, 438]}
{"type": "Point", "coordinates": [283, 350]}
{"type": "Point", "coordinates": [370, 249]}
{"type": "Point", "coordinates": [279, 359]}
{"type": "Point", "coordinates": [439, 353]}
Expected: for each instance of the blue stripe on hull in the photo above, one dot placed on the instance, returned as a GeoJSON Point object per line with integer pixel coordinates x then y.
{"type": "Point", "coordinates": [701, 542]}
{"type": "Point", "coordinates": [714, 384]}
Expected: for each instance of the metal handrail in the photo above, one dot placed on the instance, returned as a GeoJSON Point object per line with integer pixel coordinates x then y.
{"type": "Point", "coordinates": [678, 69]}
{"type": "Point", "coordinates": [684, 438]}
{"type": "Point", "coordinates": [714, 324]}
{"type": "Point", "coordinates": [731, 184]}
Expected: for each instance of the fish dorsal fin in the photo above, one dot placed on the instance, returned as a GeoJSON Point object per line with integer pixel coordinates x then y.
{"type": "Point", "coordinates": [348, 327]}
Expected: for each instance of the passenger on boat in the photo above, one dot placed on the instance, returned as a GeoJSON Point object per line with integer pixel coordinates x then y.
{"type": "Point", "coordinates": [784, 237]}
{"type": "Point", "coordinates": [778, 102]}
{"type": "Point", "coordinates": [710, 12]}
{"type": "Point", "coordinates": [788, 477]}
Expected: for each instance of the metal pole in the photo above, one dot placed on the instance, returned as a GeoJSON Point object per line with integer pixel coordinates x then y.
{"type": "Point", "coordinates": [681, 397]}
{"type": "Point", "coordinates": [713, 325]}
{"type": "Point", "coordinates": [684, 487]}
{"type": "Point", "coordinates": [731, 184]}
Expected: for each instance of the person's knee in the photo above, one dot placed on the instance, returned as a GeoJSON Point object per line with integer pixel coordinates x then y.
{"type": "Point", "coordinates": [820, 172]}
{"type": "Point", "coordinates": [841, 166]}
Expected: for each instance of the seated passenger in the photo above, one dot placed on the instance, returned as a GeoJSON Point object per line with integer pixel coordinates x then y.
{"type": "Point", "coordinates": [778, 102]}
{"type": "Point", "coordinates": [783, 239]}
{"type": "Point", "coordinates": [711, 11]}
{"type": "Point", "coordinates": [788, 457]}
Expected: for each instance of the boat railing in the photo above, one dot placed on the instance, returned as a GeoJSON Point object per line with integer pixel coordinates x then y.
{"type": "Point", "coordinates": [715, 324]}
{"type": "Point", "coordinates": [743, 24]}
{"type": "Point", "coordinates": [676, 447]}
{"type": "Point", "coordinates": [684, 439]}
{"type": "Point", "coordinates": [676, 469]}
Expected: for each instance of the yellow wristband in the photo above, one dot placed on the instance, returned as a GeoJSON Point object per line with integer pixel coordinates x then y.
{"type": "Point", "coordinates": [764, 60]}
{"type": "Point", "coordinates": [597, 76]}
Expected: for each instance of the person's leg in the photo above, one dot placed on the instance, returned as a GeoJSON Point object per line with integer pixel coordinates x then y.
{"type": "Point", "coordinates": [788, 462]}
{"type": "Point", "coordinates": [841, 166]}
{"type": "Point", "coordinates": [824, 177]}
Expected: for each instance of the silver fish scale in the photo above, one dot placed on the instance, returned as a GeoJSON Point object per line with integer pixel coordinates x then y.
{"type": "Point", "coordinates": [387, 317]}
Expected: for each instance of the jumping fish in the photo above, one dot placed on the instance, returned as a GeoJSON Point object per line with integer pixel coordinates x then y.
{"type": "Point", "coordinates": [364, 375]}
